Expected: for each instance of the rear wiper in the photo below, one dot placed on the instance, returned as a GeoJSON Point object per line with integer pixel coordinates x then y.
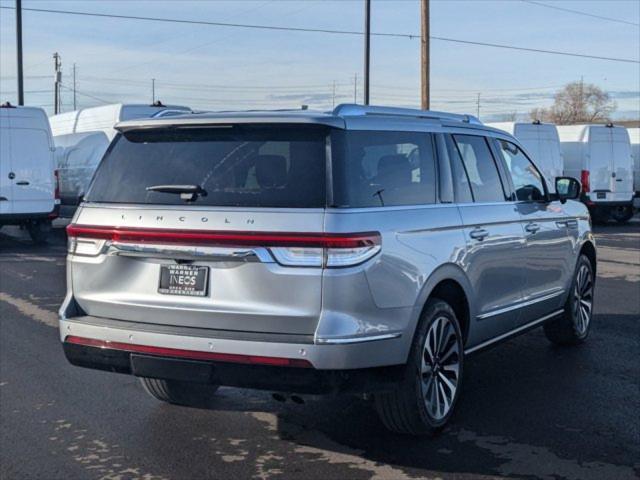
{"type": "Point", "coordinates": [188, 193]}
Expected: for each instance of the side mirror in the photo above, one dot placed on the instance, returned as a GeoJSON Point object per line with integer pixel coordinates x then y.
{"type": "Point", "coordinates": [567, 188]}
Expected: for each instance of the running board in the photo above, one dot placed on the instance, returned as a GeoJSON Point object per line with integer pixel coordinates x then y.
{"type": "Point", "coordinates": [512, 333]}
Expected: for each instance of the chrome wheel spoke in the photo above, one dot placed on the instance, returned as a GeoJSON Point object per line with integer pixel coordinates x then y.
{"type": "Point", "coordinates": [583, 299]}
{"type": "Point", "coordinates": [440, 368]}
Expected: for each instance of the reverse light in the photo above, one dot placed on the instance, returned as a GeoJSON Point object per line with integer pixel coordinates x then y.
{"type": "Point", "coordinates": [584, 180]}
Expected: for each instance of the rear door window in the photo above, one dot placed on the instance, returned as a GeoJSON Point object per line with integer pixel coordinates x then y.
{"type": "Point", "coordinates": [239, 166]}
{"type": "Point", "coordinates": [383, 168]}
{"type": "Point", "coordinates": [480, 168]}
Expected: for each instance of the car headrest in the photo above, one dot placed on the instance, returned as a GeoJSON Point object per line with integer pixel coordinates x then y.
{"type": "Point", "coordinates": [271, 170]}
{"type": "Point", "coordinates": [394, 171]}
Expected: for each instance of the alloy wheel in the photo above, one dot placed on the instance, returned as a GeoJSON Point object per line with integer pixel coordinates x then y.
{"type": "Point", "coordinates": [440, 368]}
{"type": "Point", "coordinates": [583, 299]}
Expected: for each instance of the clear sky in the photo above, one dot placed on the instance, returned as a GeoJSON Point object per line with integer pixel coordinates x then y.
{"type": "Point", "coordinates": [211, 67]}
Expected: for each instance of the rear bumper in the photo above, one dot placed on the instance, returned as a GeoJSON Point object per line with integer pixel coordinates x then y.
{"type": "Point", "coordinates": [273, 378]}
{"type": "Point", "coordinates": [135, 337]}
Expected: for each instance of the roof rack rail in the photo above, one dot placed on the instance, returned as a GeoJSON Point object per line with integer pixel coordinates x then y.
{"type": "Point", "coordinates": [352, 109]}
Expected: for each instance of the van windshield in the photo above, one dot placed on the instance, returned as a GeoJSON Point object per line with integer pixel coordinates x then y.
{"type": "Point", "coordinates": [237, 166]}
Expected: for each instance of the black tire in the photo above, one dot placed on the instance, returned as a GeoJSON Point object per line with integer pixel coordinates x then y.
{"type": "Point", "coordinates": [199, 395]}
{"type": "Point", "coordinates": [39, 231]}
{"type": "Point", "coordinates": [569, 328]}
{"type": "Point", "coordinates": [406, 410]}
{"type": "Point", "coordinates": [622, 214]}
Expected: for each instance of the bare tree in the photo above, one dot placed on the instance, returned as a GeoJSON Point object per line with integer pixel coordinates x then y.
{"type": "Point", "coordinates": [577, 102]}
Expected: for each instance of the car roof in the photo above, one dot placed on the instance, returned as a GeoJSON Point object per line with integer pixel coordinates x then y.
{"type": "Point", "coordinates": [336, 118]}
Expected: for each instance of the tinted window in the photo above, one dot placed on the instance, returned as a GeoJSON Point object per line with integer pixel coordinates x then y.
{"type": "Point", "coordinates": [239, 166]}
{"type": "Point", "coordinates": [373, 169]}
{"type": "Point", "coordinates": [527, 180]}
{"type": "Point", "coordinates": [461, 187]}
{"type": "Point", "coordinates": [480, 168]}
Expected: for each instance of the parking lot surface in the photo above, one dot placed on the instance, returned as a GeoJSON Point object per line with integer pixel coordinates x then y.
{"type": "Point", "coordinates": [528, 409]}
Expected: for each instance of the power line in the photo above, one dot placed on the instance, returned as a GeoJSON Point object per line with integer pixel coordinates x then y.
{"type": "Point", "coordinates": [321, 30]}
{"type": "Point", "coordinates": [578, 12]}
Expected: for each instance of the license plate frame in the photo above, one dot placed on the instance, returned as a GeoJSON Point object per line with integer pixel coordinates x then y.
{"type": "Point", "coordinates": [184, 280]}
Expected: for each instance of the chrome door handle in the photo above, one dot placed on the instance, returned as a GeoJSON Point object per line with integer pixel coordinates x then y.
{"type": "Point", "coordinates": [562, 223]}
{"type": "Point", "coordinates": [532, 227]}
{"type": "Point", "coordinates": [479, 234]}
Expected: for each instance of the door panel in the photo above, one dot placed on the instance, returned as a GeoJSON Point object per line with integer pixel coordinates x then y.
{"type": "Point", "coordinates": [33, 168]}
{"type": "Point", "coordinates": [492, 264]}
{"type": "Point", "coordinates": [547, 257]}
{"type": "Point", "coordinates": [6, 197]}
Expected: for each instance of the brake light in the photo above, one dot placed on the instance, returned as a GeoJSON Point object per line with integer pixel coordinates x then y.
{"type": "Point", "coordinates": [584, 180]}
{"type": "Point", "coordinates": [291, 249]}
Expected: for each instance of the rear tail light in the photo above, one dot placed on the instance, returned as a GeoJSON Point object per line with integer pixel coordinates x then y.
{"type": "Point", "coordinates": [291, 249]}
{"type": "Point", "coordinates": [584, 180]}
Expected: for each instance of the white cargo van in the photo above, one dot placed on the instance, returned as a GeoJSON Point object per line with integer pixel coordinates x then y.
{"type": "Point", "coordinates": [84, 136]}
{"type": "Point", "coordinates": [541, 142]}
{"type": "Point", "coordinates": [600, 156]}
{"type": "Point", "coordinates": [28, 184]}
{"type": "Point", "coordinates": [634, 137]}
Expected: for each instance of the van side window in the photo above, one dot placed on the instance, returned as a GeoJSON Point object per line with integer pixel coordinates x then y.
{"type": "Point", "coordinates": [384, 169]}
{"type": "Point", "coordinates": [461, 186]}
{"type": "Point", "coordinates": [527, 180]}
{"type": "Point", "coordinates": [481, 168]}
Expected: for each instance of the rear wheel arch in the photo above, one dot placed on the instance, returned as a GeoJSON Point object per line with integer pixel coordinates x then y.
{"type": "Point", "coordinates": [589, 250]}
{"type": "Point", "coordinates": [449, 283]}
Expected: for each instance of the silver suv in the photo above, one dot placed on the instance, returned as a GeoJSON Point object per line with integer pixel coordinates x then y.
{"type": "Point", "coordinates": [364, 250]}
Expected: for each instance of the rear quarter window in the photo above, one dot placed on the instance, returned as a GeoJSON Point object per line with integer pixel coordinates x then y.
{"type": "Point", "coordinates": [383, 168]}
{"type": "Point", "coordinates": [240, 166]}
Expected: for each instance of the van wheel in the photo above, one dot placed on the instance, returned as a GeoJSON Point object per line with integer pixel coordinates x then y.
{"type": "Point", "coordinates": [572, 327]}
{"type": "Point", "coordinates": [622, 214]}
{"type": "Point", "coordinates": [39, 231]}
{"type": "Point", "coordinates": [199, 395]}
{"type": "Point", "coordinates": [425, 399]}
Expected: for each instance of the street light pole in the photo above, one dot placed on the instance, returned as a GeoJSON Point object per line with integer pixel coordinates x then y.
{"type": "Point", "coordinates": [425, 67]}
{"type": "Point", "coordinates": [367, 48]}
{"type": "Point", "coordinates": [19, 51]}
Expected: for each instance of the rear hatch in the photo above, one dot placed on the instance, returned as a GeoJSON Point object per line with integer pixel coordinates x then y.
{"type": "Point", "coordinates": [610, 164]}
{"type": "Point", "coordinates": [206, 227]}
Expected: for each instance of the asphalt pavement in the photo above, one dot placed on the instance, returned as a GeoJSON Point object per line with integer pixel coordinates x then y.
{"type": "Point", "coordinates": [527, 410]}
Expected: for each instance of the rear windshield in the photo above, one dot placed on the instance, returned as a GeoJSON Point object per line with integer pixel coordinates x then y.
{"type": "Point", "coordinates": [239, 166]}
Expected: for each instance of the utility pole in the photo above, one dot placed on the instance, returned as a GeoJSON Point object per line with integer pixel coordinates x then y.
{"type": "Point", "coordinates": [56, 87]}
{"type": "Point", "coordinates": [478, 106]}
{"type": "Point", "coordinates": [367, 48]}
{"type": "Point", "coordinates": [75, 107]}
{"type": "Point", "coordinates": [355, 88]}
{"type": "Point", "coordinates": [19, 51]}
{"type": "Point", "coordinates": [153, 91]}
{"type": "Point", "coordinates": [425, 73]}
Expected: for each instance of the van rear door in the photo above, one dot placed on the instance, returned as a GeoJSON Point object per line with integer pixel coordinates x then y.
{"type": "Point", "coordinates": [215, 227]}
{"type": "Point", "coordinates": [622, 165]}
{"type": "Point", "coordinates": [33, 166]}
{"type": "Point", "coordinates": [599, 163]}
